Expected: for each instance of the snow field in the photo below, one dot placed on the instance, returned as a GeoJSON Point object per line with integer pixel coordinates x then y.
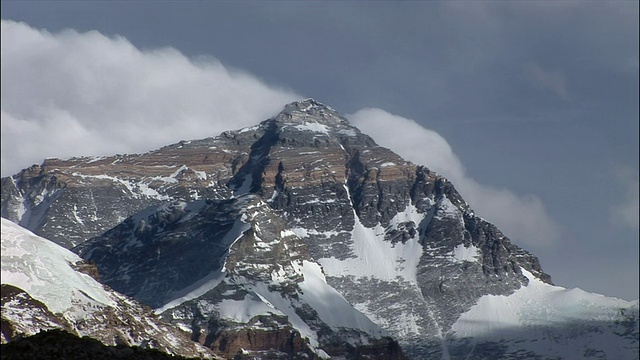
{"type": "Point", "coordinates": [536, 304]}
{"type": "Point", "coordinates": [42, 268]}
{"type": "Point", "coordinates": [376, 257]}
{"type": "Point", "coordinates": [549, 320]}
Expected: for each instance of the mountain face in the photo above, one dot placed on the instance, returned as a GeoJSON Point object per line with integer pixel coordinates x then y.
{"type": "Point", "coordinates": [45, 286]}
{"type": "Point", "coordinates": [302, 237]}
{"type": "Point", "coordinates": [244, 269]}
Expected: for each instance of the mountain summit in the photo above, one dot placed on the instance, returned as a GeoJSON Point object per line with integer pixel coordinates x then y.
{"type": "Point", "coordinates": [301, 237]}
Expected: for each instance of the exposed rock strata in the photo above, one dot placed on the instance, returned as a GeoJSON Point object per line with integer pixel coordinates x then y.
{"type": "Point", "coordinates": [245, 211]}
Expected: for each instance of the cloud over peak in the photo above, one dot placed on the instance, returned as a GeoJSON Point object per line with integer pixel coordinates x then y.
{"type": "Point", "coordinates": [79, 94]}
{"type": "Point", "coordinates": [71, 94]}
{"type": "Point", "coordinates": [522, 218]}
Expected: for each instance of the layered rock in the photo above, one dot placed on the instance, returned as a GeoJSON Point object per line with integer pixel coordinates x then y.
{"type": "Point", "coordinates": [226, 220]}
{"type": "Point", "coordinates": [31, 314]}
{"type": "Point", "coordinates": [232, 273]}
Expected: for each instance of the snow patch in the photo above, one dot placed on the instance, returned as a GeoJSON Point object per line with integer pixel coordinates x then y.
{"type": "Point", "coordinates": [376, 257]}
{"type": "Point", "coordinates": [246, 309]}
{"type": "Point", "coordinates": [247, 129]}
{"type": "Point", "coordinates": [466, 253]}
{"type": "Point", "coordinates": [178, 171]}
{"type": "Point", "coordinates": [201, 174]}
{"type": "Point", "coordinates": [330, 305]}
{"type": "Point", "coordinates": [347, 132]}
{"type": "Point", "coordinates": [313, 127]}
{"type": "Point", "coordinates": [94, 159]}
{"type": "Point", "coordinates": [447, 209]}
{"type": "Point", "coordinates": [42, 268]}
{"type": "Point", "coordinates": [136, 189]}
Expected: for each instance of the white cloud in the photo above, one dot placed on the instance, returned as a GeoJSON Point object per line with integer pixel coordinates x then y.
{"type": "Point", "coordinates": [71, 94]}
{"type": "Point", "coordinates": [522, 218]}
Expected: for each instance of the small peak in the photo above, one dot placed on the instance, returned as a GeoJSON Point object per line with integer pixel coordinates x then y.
{"type": "Point", "coordinates": [307, 106]}
{"type": "Point", "coordinates": [310, 108]}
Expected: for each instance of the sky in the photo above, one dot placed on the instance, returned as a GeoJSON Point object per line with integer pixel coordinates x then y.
{"type": "Point", "coordinates": [529, 108]}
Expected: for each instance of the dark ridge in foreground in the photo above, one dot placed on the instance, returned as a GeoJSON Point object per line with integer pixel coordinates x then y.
{"type": "Point", "coordinates": [59, 344]}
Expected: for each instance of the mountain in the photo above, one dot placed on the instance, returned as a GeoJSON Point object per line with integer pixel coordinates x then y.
{"type": "Point", "coordinates": [45, 286]}
{"type": "Point", "coordinates": [244, 269]}
{"type": "Point", "coordinates": [300, 236]}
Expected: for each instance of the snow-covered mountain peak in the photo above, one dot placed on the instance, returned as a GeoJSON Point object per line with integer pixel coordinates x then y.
{"type": "Point", "coordinates": [309, 106]}
{"type": "Point", "coordinates": [312, 117]}
{"type": "Point", "coordinates": [254, 236]}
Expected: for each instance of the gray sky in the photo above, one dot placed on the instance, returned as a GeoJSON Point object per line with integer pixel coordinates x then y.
{"type": "Point", "coordinates": [531, 108]}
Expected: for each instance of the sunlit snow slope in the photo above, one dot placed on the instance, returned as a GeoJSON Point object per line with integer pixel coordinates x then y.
{"type": "Point", "coordinates": [553, 322]}
{"type": "Point", "coordinates": [70, 299]}
{"type": "Point", "coordinates": [43, 269]}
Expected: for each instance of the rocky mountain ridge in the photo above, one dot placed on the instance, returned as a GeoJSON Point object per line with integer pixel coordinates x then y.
{"type": "Point", "coordinates": [303, 203]}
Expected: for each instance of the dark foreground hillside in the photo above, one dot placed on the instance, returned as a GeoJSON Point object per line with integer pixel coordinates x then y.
{"type": "Point", "coordinates": [59, 344]}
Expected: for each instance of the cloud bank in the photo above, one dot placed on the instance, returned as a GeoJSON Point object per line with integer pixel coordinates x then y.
{"type": "Point", "coordinates": [522, 218]}
{"type": "Point", "coordinates": [79, 94]}
{"type": "Point", "coordinates": [72, 94]}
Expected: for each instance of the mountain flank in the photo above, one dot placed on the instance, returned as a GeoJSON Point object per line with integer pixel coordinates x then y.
{"type": "Point", "coordinates": [300, 237]}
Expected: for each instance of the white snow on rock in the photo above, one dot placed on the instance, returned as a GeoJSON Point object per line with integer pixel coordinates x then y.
{"type": "Point", "coordinates": [201, 174]}
{"type": "Point", "coordinates": [534, 316]}
{"type": "Point", "coordinates": [347, 132]}
{"type": "Point", "coordinates": [537, 303]}
{"type": "Point", "coordinates": [263, 301]}
{"type": "Point", "coordinates": [137, 189]}
{"type": "Point", "coordinates": [42, 268]}
{"type": "Point", "coordinates": [376, 257]}
{"type": "Point", "coordinates": [250, 128]}
{"type": "Point", "coordinates": [466, 253]}
{"type": "Point", "coordinates": [332, 308]}
{"type": "Point", "coordinates": [31, 213]}
{"type": "Point", "coordinates": [330, 305]}
{"type": "Point", "coordinates": [246, 309]}
{"type": "Point", "coordinates": [313, 127]}
{"type": "Point", "coordinates": [447, 209]}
